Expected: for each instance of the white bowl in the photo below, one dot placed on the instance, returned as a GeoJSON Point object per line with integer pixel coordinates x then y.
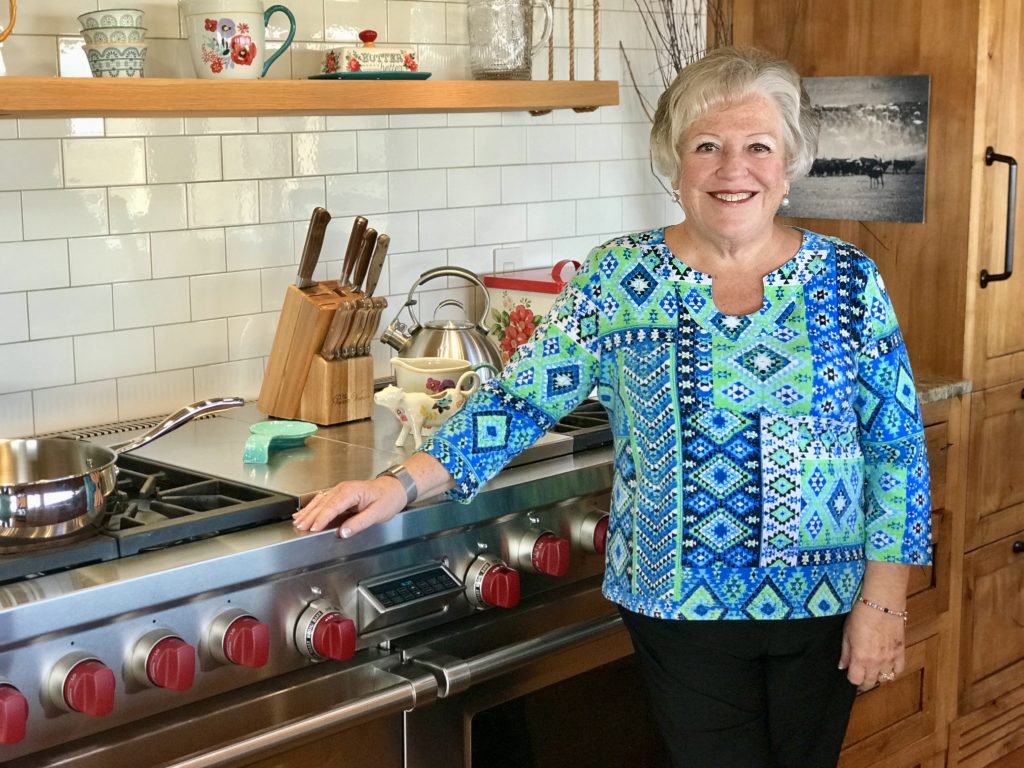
{"type": "Point", "coordinates": [116, 59]}
{"type": "Point", "coordinates": [111, 17]}
{"type": "Point", "coordinates": [100, 35]}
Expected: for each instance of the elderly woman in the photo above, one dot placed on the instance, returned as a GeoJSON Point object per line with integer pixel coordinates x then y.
{"type": "Point", "coordinates": [771, 484]}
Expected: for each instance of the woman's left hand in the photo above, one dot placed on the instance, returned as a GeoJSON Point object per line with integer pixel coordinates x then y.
{"type": "Point", "coordinates": [873, 647]}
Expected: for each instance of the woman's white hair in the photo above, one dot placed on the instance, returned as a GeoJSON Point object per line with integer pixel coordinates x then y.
{"type": "Point", "coordinates": [727, 75]}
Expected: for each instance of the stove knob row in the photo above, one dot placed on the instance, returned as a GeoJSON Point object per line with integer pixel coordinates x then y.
{"type": "Point", "coordinates": [236, 637]}
{"type": "Point", "coordinates": [13, 714]}
{"type": "Point", "coordinates": [80, 682]}
{"type": "Point", "coordinates": [161, 659]}
{"type": "Point", "coordinates": [491, 583]}
{"type": "Point", "coordinates": [322, 632]}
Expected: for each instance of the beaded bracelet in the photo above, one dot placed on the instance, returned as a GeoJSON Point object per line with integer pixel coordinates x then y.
{"type": "Point", "coordinates": [898, 614]}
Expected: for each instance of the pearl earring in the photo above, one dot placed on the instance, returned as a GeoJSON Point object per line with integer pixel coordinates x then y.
{"type": "Point", "coordinates": [785, 202]}
{"type": "Point", "coordinates": [675, 195]}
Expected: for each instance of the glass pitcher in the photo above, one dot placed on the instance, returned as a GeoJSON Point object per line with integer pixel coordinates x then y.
{"type": "Point", "coordinates": [501, 44]}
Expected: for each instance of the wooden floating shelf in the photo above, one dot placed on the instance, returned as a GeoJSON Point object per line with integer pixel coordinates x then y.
{"type": "Point", "coordinates": [26, 97]}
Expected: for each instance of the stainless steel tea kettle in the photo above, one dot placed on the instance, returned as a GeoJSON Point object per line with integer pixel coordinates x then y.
{"type": "Point", "coordinates": [461, 339]}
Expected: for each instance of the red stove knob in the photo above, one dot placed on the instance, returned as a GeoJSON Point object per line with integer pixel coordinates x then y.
{"type": "Point", "coordinates": [86, 685]}
{"type": "Point", "coordinates": [322, 632]}
{"type": "Point", "coordinates": [601, 535]}
{"type": "Point", "coordinates": [591, 532]}
{"type": "Point", "coordinates": [163, 659]}
{"type": "Point", "coordinates": [13, 714]}
{"type": "Point", "coordinates": [489, 582]}
{"type": "Point", "coordinates": [550, 555]}
{"type": "Point", "coordinates": [172, 664]}
{"type": "Point", "coordinates": [238, 638]}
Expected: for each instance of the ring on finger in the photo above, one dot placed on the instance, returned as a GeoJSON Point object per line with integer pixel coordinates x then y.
{"type": "Point", "coordinates": [887, 677]}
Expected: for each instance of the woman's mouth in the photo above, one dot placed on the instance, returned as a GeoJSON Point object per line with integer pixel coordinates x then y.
{"type": "Point", "coordinates": [732, 197]}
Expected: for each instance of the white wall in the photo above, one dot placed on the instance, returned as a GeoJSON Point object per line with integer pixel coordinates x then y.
{"type": "Point", "coordinates": [143, 262]}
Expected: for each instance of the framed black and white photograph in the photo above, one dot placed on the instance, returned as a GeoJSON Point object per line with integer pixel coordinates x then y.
{"type": "Point", "coordinates": [872, 150]}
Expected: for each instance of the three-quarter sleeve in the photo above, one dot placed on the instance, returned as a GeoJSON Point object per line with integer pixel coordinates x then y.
{"type": "Point", "coordinates": [896, 492]}
{"type": "Point", "coordinates": [545, 379]}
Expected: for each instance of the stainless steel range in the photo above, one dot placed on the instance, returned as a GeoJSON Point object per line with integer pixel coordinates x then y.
{"type": "Point", "coordinates": [201, 629]}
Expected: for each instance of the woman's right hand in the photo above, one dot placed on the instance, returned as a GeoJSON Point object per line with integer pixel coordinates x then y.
{"type": "Point", "coordinates": [356, 504]}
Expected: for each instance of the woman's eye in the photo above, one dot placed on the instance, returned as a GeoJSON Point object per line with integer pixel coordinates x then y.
{"type": "Point", "coordinates": [706, 146]}
{"type": "Point", "coordinates": [761, 148]}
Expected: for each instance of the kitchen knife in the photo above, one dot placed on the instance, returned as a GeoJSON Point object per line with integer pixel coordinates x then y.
{"type": "Point", "coordinates": [311, 249]}
{"type": "Point", "coordinates": [376, 263]}
{"type": "Point", "coordinates": [351, 346]}
{"type": "Point", "coordinates": [340, 325]}
{"type": "Point", "coordinates": [355, 240]}
{"type": "Point", "coordinates": [363, 259]}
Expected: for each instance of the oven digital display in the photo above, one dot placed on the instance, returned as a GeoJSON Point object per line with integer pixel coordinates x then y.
{"type": "Point", "coordinates": [406, 595]}
{"type": "Point", "coordinates": [414, 587]}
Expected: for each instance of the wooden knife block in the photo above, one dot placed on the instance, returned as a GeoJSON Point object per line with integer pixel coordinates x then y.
{"type": "Point", "coordinates": [339, 390]}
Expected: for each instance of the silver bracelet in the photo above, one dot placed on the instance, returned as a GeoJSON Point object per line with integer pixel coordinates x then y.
{"type": "Point", "coordinates": [401, 474]}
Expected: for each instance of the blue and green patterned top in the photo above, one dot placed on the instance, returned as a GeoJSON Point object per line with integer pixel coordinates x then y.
{"type": "Point", "coordinates": [760, 460]}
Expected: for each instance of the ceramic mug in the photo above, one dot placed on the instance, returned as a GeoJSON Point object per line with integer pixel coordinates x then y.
{"type": "Point", "coordinates": [227, 37]}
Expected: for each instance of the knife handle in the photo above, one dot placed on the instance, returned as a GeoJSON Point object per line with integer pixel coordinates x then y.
{"type": "Point", "coordinates": [363, 261]}
{"type": "Point", "coordinates": [311, 250]}
{"type": "Point", "coordinates": [380, 251]}
{"type": "Point", "coordinates": [355, 240]}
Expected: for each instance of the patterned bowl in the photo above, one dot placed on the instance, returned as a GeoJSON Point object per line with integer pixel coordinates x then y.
{"type": "Point", "coordinates": [98, 35]}
{"type": "Point", "coordinates": [111, 17]}
{"type": "Point", "coordinates": [116, 59]}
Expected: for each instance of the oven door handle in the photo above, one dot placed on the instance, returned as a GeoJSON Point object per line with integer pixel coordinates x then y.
{"type": "Point", "coordinates": [456, 675]}
{"type": "Point", "coordinates": [397, 697]}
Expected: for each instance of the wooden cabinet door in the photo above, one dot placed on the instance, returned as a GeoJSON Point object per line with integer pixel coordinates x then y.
{"type": "Point", "coordinates": [992, 626]}
{"type": "Point", "coordinates": [995, 478]}
{"type": "Point", "coordinates": [995, 314]}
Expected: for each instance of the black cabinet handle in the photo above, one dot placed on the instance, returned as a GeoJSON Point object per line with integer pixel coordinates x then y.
{"type": "Point", "coordinates": [1011, 214]}
{"type": "Point", "coordinates": [1018, 547]}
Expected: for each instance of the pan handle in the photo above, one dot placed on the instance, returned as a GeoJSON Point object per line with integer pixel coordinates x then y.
{"type": "Point", "coordinates": [178, 418]}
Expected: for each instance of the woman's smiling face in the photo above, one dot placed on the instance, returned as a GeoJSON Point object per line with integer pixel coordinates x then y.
{"type": "Point", "coordinates": [732, 171]}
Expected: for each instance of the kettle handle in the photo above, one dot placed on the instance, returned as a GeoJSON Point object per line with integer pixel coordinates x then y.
{"type": "Point", "coordinates": [465, 274]}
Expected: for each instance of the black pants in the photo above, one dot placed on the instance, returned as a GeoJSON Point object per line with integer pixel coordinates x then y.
{"type": "Point", "coordinates": [746, 694]}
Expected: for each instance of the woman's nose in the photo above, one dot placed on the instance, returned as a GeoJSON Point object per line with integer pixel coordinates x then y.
{"type": "Point", "coordinates": [732, 164]}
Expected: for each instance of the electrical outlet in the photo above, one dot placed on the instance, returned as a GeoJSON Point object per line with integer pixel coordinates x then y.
{"type": "Point", "coordinates": [508, 259]}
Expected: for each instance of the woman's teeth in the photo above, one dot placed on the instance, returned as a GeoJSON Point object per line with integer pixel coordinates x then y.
{"type": "Point", "coordinates": [733, 198]}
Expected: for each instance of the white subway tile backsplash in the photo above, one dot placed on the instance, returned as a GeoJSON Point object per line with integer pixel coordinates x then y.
{"type": "Point", "coordinates": [190, 344]}
{"type": "Point", "coordinates": [176, 159]}
{"type": "Point", "coordinates": [109, 355]}
{"type": "Point", "coordinates": [344, 19]}
{"type": "Point", "coordinates": [324, 154]}
{"type": "Point", "coordinates": [292, 124]}
{"type": "Point", "coordinates": [168, 57]}
{"type": "Point", "coordinates": [64, 213]}
{"type": "Point", "coordinates": [357, 122]}
{"type": "Point", "coordinates": [446, 147]}
{"type": "Point", "coordinates": [551, 220]}
{"type": "Point", "coordinates": [403, 228]}
{"type": "Point", "coordinates": [404, 269]}
{"type": "Point", "coordinates": [416, 22]}
{"type": "Point", "coordinates": [500, 146]}
{"type": "Point", "coordinates": [78, 405]}
{"type": "Point", "coordinates": [187, 252]}
{"type": "Point", "coordinates": [575, 180]}
{"type": "Point", "coordinates": [60, 127]}
{"type": "Point", "coordinates": [226, 294]}
{"type": "Point", "coordinates": [413, 120]}
{"type": "Point", "coordinates": [152, 208]}
{"type": "Point", "coordinates": [387, 150]}
{"type": "Point", "coordinates": [474, 186]}
{"type": "Point", "coordinates": [551, 144]}
{"type": "Point", "coordinates": [36, 364]}
{"type": "Point", "coordinates": [154, 394]}
{"type": "Point", "coordinates": [640, 212]}
{"type": "Point", "coordinates": [456, 24]}
{"type": "Point", "coordinates": [220, 125]}
{"type": "Point", "coordinates": [274, 284]}
{"type": "Point", "coordinates": [33, 265]}
{"type": "Point", "coordinates": [357, 194]}
{"type": "Point", "coordinates": [30, 164]}
{"type": "Point", "coordinates": [144, 126]}
{"type": "Point", "coordinates": [151, 302]}
{"type": "Point", "coordinates": [257, 156]}
{"type": "Point", "coordinates": [16, 415]}
{"type": "Point", "coordinates": [104, 162]}
{"type": "Point", "coordinates": [70, 311]}
{"type": "Point", "coordinates": [15, 318]}
{"type": "Point", "coordinates": [241, 378]}
{"type": "Point", "coordinates": [8, 128]}
{"type": "Point", "coordinates": [474, 119]}
{"type": "Point", "coordinates": [26, 55]}
{"type": "Point", "coordinates": [290, 199]}
{"type": "Point", "coordinates": [525, 183]}
{"type": "Point", "coordinates": [500, 224]}
{"type": "Point", "coordinates": [415, 190]}
{"type": "Point", "coordinates": [251, 335]}
{"type": "Point", "coordinates": [259, 245]}
{"type": "Point", "coordinates": [628, 177]}
{"type": "Point", "coordinates": [10, 216]}
{"type": "Point", "coordinates": [598, 142]}
{"type": "Point", "coordinates": [109, 259]}
{"type": "Point", "coordinates": [450, 228]}
{"type": "Point", "coordinates": [599, 214]}
{"type": "Point", "coordinates": [223, 203]}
